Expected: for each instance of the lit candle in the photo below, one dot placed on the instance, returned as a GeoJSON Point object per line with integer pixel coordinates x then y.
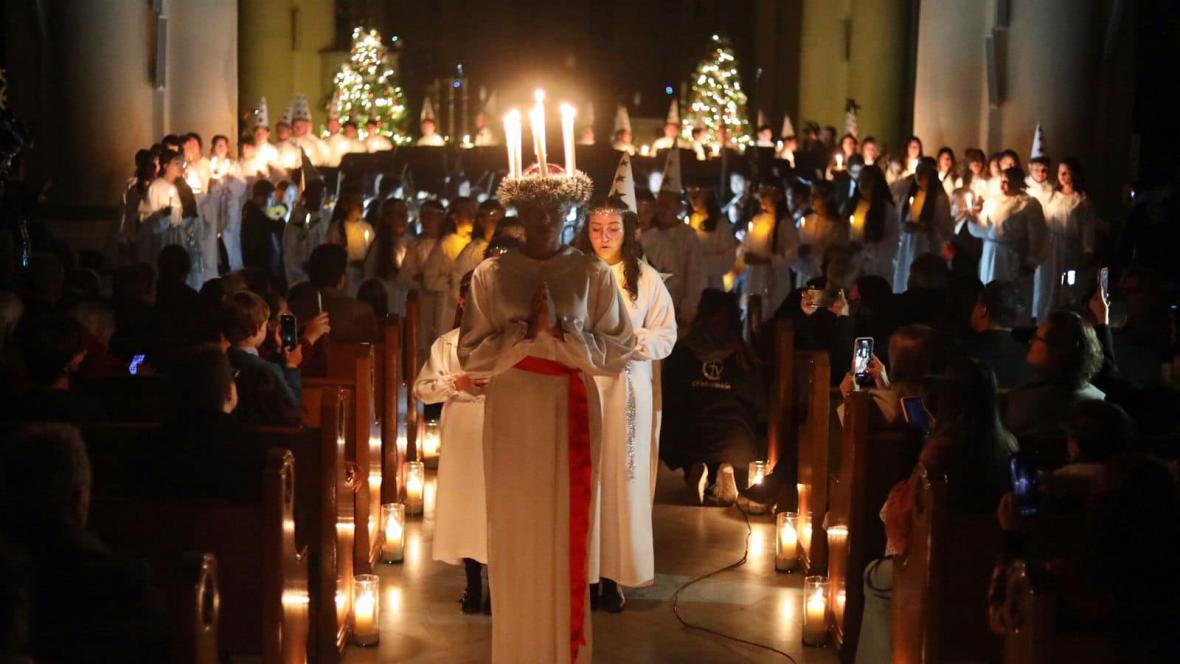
{"type": "Point", "coordinates": [757, 473]}
{"type": "Point", "coordinates": [366, 237]}
{"type": "Point", "coordinates": [786, 544]}
{"type": "Point", "coordinates": [341, 601]}
{"type": "Point", "coordinates": [393, 520]}
{"type": "Point", "coordinates": [537, 125]}
{"type": "Point", "coordinates": [644, 150]}
{"type": "Point", "coordinates": [839, 161]}
{"type": "Point", "coordinates": [970, 200]}
{"type": "Point", "coordinates": [512, 140]}
{"type": "Point", "coordinates": [415, 486]}
{"type": "Point", "coordinates": [431, 444]}
{"type": "Point", "coordinates": [567, 136]}
{"type": "Point", "coordinates": [365, 609]}
{"type": "Point", "coordinates": [815, 610]}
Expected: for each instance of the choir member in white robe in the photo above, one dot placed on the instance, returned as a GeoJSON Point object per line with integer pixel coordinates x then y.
{"type": "Point", "coordinates": [375, 141]}
{"type": "Point", "coordinates": [718, 245]}
{"type": "Point", "coordinates": [160, 210]}
{"type": "Point", "coordinates": [817, 231]}
{"type": "Point", "coordinates": [487, 219]}
{"type": "Point", "coordinates": [925, 214]}
{"type": "Point", "coordinates": [430, 136]}
{"type": "Point", "coordinates": [540, 322]}
{"type": "Point", "coordinates": [412, 276]}
{"type": "Point", "coordinates": [389, 252]}
{"type": "Point", "coordinates": [1009, 226]}
{"type": "Point", "coordinates": [873, 224]}
{"type": "Point", "coordinates": [1071, 222]}
{"type": "Point", "coordinates": [769, 248]}
{"type": "Point", "coordinates": [623, 539]}
{"type": "Point", "coordinates": [1038, 183]}
{"type": "Point", "coordinates": [306, 230]}
{"type": "Point", "coordinates": [460, 504]}
{"type": "Point", "coordinates": [672, 247]}
{"type": "Point", "coordinates": [483, 133]}
{"type": "Point", "coordinates": [946, 171]}
{"type": "Point", "coordinates": [913, 154]}
{"type": "Point", "coordinates": [439, 271]}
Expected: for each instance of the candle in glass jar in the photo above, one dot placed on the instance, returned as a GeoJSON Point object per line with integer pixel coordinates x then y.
{"type": "Point", "coordinates": [567, 136]}
{"type": "Point", "coordinates": [393, 521]}
{"type": "Point", "coordinates": [537, 125]}
{"type": "Point", "coordinates": [431, 443]}
{"type": "Point", "coordinates": [366, 609]}
{"type": "Point", "coordinates": [815, 610]}
{"type": "Point", "coordinates": [786, 543]}
{"type": "Point", "coordinates": [415, 486]}
{"type": "Point", "coordinates": [757, 473]}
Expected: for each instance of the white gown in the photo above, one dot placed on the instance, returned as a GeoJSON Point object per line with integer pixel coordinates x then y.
{"type": "Point", "coordinates": [159, 228]}
{"type": "Point", "coordinates": [771, 281]}
{"type": "Point", "coordinates": [440, 277]}
{"type": "Point", "coordinates": [876, 258]}
{"type": "Point", "coordinates": [1009, 227]}
{"type": "Point", "coordinates": [1070, 224]}
{"type": "Point", "coordinates": [624, 536]}
{"type": "Point", "coordinates": [818, 233]}
{"type": "Point", "coordinates": [377, 143]}
{"type": "Point", "coordinates": [677, 251]}
{"type": "Point", "coordinates": [537, 579]}
{"type": "Point", "coordinates": [915, 240]}
{"type": "Point", "coordinates": [460, 504]}
{"type": "Point", "coordinates": [412, 277]}
{"type": "Point", "coordinates": [718, 252]}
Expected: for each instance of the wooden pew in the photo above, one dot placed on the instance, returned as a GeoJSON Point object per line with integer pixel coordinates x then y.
{"type": "Point", "coordinates": [194, 607]}
{"type": "Point", "coordinates": [1032, 636]}
{"type": "Point", "coordinates": [753, 319]}
{"type": "Point", "coordinates": [412, 364]}
{"type": "Point", "coordinates": [939, 603]}
{"type": "Point", "coordinates": [264, 607]}
{"type": "Point", "coordinates": [128, 398]}
{"type": "Point", "coordinates": [362, 445]}
{"type": "Point", "coordinates": [871, 464]}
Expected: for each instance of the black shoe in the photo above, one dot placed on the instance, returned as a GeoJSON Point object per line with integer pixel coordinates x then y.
{"type": "Point", "coordinates": [613, 600]}
{"type": "Point", "coordinates": [594, 597]}
{"type": "Point", "coordinates": [470, 602]}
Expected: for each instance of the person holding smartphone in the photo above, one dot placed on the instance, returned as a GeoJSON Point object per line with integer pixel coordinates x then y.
{"type": "Point", "coordinates": [915, 352]}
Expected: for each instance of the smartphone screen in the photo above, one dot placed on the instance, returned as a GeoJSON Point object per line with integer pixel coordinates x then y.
{"type": "Point", "coordinates": [915, 414]}
{"type": "Point", "coordinates": [133, 367]}
{"type": "Point", "coordinates": [1104, 283]}
{"type": "Point", "coordinates": [288, 331]}
{"type": "Point", "coordinates": [1024, 484]}
{"type": "Point", "coordinates": [862, 352]}
{"type": "Point", "coordinates": [1069, 277]}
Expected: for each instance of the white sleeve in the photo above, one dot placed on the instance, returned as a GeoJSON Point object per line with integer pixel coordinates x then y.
{"type": "Point", "coordinates": [658, 334]}
{"type": "Point", "coordinates": [436, 381]}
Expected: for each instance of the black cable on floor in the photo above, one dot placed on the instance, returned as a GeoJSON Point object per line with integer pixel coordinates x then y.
{"type": "Point", "coordinates": [739, 563]}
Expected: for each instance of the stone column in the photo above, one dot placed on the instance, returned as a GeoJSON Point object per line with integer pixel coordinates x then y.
{"type": "Point", "coordinates": [202, 90]}
{"type": "Point", "coordinates": [878, 68]}
{"type": "Point", "coordinates": [266, 65]}
{"type": "Point", "coordinates": [823, 69]}
{"type": "Point", "coordinates": [950, 91]}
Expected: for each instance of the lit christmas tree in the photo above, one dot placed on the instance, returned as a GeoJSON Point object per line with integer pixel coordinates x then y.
{"type": "Point", "coordinates": [368, 87]}
{"type": "Point", "coordinates": [716, 99]}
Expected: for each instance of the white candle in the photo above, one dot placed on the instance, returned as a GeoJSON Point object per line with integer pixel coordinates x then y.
{"type": "Point", "coordinates": [567, 136]}
{"type": "Point", "coordinates": [537, 125]}
{"type": "Point", "coordinates": [365, 609]}
{"type": "Point", "coordinates": [393, 545]}
{"type": "Point", "coordinates": [757, 473]}
{"type": "Point", "coordinates": [415, 486]}
{"type": "Point", "coordinates": [786, 546]}
{"type": "Point", "coordinates": [512, 140]}
{"type": "Point", "coordinates": [645, 150]}
{"type": "Point", "coordinates": [815, 610]}
{"type": "Point", "coordinates": [839, 161]}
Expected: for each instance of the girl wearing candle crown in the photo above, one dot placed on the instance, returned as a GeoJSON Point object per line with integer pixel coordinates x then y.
{"type": "Point", "coordinates": [539, 322]}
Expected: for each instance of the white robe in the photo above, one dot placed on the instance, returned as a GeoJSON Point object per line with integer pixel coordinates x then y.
{"type": "Point", "coordinates": [411, 276]}
{"type": "Point", "coordinates": [290, 156]}
{"type": "Point", "coordinates": [433, 140]}
{"type": "Point", "coordinates": [1008, 227]}
{"type": "Point", "coordinates": [718, 252]}
{"type": "Point", "coordinates": [485, 137]}
{"type": "Point", "coordinates": [315, 147]}
{"type": "Point", "coordinates": [377, 143]}
{"type": "Point", "coordinates": [771, 281]}
{"type": "Point", "coordinates": [876, 258]}
{"type": "Point", "coordinates": [440, 278]}
{"type": "Point", "coordinates": [1070, 222]}
{"type": "Point", "coordinates": [677, 251]}
{"type": "Point", "coordinates": [916, 239]}
{"type": "Point", "coordinates": [526, 439]}
{"type": "Point", "coordinates": [460, 504]}
{"type": "Point", "coordinates": [306, 231]}
{"type": "Point", "coordinates": [818, 233]}
{"type": "Point", "coordinates": [624, 536]}
{"type": "Point", "coordinates": [160, 218]}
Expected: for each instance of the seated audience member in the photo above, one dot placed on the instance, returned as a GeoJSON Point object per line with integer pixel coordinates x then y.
{"type": "Point", "coordinates": [352, 321]}
{"type": "Point", "coordinates": [1142, 342]}
{"type": "Point", "coordinates": [927, 295]}
{"type": "Point", "coordinates": [244, 324]}
{"type": "Point", "coordinates": [916, 353]}
{"type": "Point", "coordinates": [971, 447]}
{"type": "Point", "coordinates": [1098, 433]}
{"type": "Point", "coordinates": [374, 293]}
{"type": "Point", "coordinates": [51, 348]}
{"type": "Point", "coordinates": [315, 355]}
{"type": "Point", "coordinates": [997, 310]}
{"type": "Point", "coordinates": [138, 325]}
{"type": "Point", "coordinates": [42, 285]}
{"type": "Point", "coordinates": [1065, 354]}
{"type": "Point", "coordinates": [175, 299]}
{"type": "Point", "coordinates": [98, 320]}
{"type": "Point", "coordinates": [114, 614]}
{"type": "Point", "coordinates": [711, 398]}
{"type": "Point", "coordinates": [870, 300]}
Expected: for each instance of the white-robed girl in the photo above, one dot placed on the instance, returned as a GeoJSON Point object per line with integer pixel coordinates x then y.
{"type": "Point", "coordinates": [159, 210]}
{"type": "Point", "coordinates": [624, 535]}
{"type": "Point", "coordinates": [1071, 223]}
{"type": "Point", "coordinates": [540, 322]}
{"type": "Point", "coordinates": [1011, 226]}
{"type": "Point", "coordinates": [769, 248]}
{"type": "Point", "coordinates": [718, 246]}
{"type": "Point", "coordinates": [925, 214]}
{"type": "Point", "coordinates": [873, 224]}
{"type": "Point", "coordinates": [817, 231]}
{"type": "Point", "coordinates": [460, 507]}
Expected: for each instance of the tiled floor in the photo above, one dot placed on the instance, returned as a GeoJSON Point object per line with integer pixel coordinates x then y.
{"type": "Point", "coordinates": [421, 622]}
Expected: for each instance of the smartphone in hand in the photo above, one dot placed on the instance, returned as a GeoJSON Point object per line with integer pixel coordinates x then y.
{"type": "Point", "coordinates": [1024, 484]}
{"type": "Point", "coordinates": [288, 331]}
{"type": "Point", "coordinates": [862, 355]}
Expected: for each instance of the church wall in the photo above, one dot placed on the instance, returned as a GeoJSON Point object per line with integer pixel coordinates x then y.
{"type": "Point", "coordinates": [823, 67]}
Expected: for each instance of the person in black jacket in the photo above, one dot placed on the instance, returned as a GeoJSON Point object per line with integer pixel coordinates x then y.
{"type": "Point", "coordinates": [262, 237]}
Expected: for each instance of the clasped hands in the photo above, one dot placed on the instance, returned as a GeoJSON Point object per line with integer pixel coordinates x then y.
{"type": "Point", "coordinates": [543, 320]}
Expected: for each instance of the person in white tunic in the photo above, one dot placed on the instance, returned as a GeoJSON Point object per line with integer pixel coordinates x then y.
{"type": "Point", "coordinates": [539, 322]}
{"type": "Point", "coordinates": [1071, 221]}
{"type": "Point", "coordinates": [718, 246]}
{"type": "Point", "coordinates": [1038, 184]}
{"type": "Point", "coordinates": [624, 535]}
{"type": "Point", "coordinates": [439, 271]}
{"type": "Point", "coordinates": [925, 214]}
{"type": "Point", "coordinates": [672, 246]}
{"type": "Point", "coordinates": [375, 141]}
{"type": "Point", "coordinates": [1009, 226]}
{"type": "Point", "coordinates": [412, 275]}
{"type": "Point", "coordinates": [818, 230]}
{"type": "Point", "coordinates": [460, 504]}
{"type": "Point", "coordinates": [873, 224]}
{"type": "Point", "coordinates": [769, 248]}
{"type": "Point", "coordinates": [160, 211]}
{"type": "Point", "coordinates": [946, 171]}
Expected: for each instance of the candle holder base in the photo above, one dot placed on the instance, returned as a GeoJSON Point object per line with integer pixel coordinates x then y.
{"type": "Point", "coordinates": [366, 643]}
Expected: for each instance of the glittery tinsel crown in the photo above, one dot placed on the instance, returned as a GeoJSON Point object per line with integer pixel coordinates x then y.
{"type": "Point", "coordinates": [557, 188]}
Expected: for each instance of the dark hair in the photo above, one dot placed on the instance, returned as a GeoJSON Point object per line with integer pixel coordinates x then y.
{"type": "Point", "coordinates": [718, 324]}
{"type": "Point", "coordinates": [194, 136]}
{"type": "Point", "coordinates": [1075, 355]}
{"type": "Point", "coordinates": [929, 270]}
{"type": "Point", "coordinates": [944, 150]}
{"type": "Point", "coordinates": [969, 413]}
{"type": "Point", "coordinates": [869, 139]}
{"type": "Point", "coordinates": [1079, 175]}
{"type": "Point", "coordinates": [1102, 430]}
{"type": "Point", "coordinates": [387, 267]}
{"type": "Point", "coordinates": [219, 137]}
{"type": "Point", "coordinates": [916, 352]}
{"type": "Point", "coordinates": [1003, 302]}
{"type": "Point", "coordinates": [174, 264]}
{"type": "Point", "coordinates": [823, 190]}
{"type": "Point", "coordinates": [262, 187]}
{"type": "Point", "coordinates": [48, 344]}
{"type": "Point", "coordinates": [1015, 176]}
{"type": "Point", "coordinates": [713, 214]}
{"type": "Point", "coordinates": [631, 249]}
{"type": "Point", "coordinates": [326, 265]}
{"type": "Point", "coordinates": [42, 467]}
{"type": "Point", "coordinates": [373, 292]}
{"type": "Point", "coordinates": [166, 157]}
{"type": "Point", "coordinates": [241, 316]}
{"type": "Point", "coordinates": [1013, 155]}
{"type": "Point", "coordinates": [879, 202]}
{"type": "Point", "coordinates": [502, 244]}
{"type": "Point", "coordinates": [927, 168]}
{"type": "Point", "coordinates": [199, 381]}
{"type": "Point", "coordinates": [915, 139]}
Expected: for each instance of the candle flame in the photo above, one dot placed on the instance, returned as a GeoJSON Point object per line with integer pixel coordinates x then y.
{"type": "Point", "coordinates": [539, 95]}
{"type": "Point", "coordinates": [568, 109]}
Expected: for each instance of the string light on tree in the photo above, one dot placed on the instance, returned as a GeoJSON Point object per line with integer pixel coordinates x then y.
{"type": "Point", "coordinates": [716, 100]}
{"type": "Point", "coordinates": [368, 87]}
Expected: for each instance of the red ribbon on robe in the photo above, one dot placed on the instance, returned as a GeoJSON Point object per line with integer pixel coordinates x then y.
{"type": "Point", "coordinates": [578, 423]}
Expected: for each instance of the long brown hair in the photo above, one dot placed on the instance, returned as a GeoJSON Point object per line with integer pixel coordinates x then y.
{"type": "Point", "coordinates": [631, 249]}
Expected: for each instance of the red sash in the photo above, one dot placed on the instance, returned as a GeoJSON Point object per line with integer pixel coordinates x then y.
{"type": "Point", "coordinates": [579, 489]}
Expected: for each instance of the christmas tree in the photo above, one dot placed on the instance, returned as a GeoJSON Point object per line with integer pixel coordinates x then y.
{"type": "Point", "coordinates": [368, 87]}
{"type": "Point", "coordinates": [716, 99]}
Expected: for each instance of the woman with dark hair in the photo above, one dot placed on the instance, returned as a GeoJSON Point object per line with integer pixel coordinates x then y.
{"type": "Point", "coordinates": [625, 548]}
{"type": "Point", "coordinates": [1071, 223]}
{"type": "Point", "coordinates": [925, 214]}
{"type": "Point", "coordinates": [349, 230]}
{"type": "Point", "coordinates": [874, 223]}
{"type": "Point", "coordinates": [769, 247]}
{"type": "Point", "coordinates": [819, 229]}
{"type": "Point", "coordinates": [1011, 226]}
{"type": "Point", "coordinates": [1066, 355]}
{"type": "Point", "coordinates": [389, 253]}
{"type": "Point", "coordinates": [975, 173]}
{"type": "Point", "coordinates": [712, 397]}
{"type": "Point", "coordinates": [718, 246]}
{"type": "Point", "coordinates": [134, 246]}
{"type": "Point", "coordinates": [946, 170]}
{"type": "Point", "coordinates": [913, 154]}
{"type": "Point", "coordinates": [968, 445]}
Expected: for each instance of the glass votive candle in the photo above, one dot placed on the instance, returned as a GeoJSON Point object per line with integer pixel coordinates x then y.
{"type": "Point", "coordinates": [393, 522]}
{"type": "Point", "coordinates": [757, 473]}
{"type": "Point", "coordinates": [415, 486]}
{"type": "Point", "coordinates": [431, 443]}
{"type": "Point", "coordinates": [786, 542]}
{"type": "Point", "coordinates": [366, 609]}
{"type": "Point", "coordinates": [815, 611]}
